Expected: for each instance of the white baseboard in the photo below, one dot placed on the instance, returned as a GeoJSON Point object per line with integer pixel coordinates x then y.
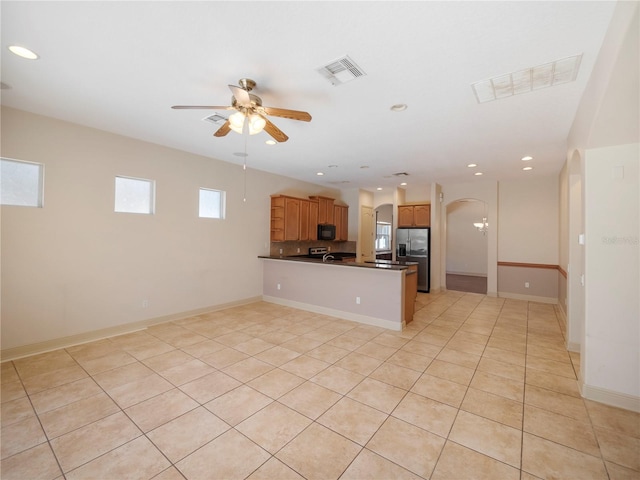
{"type": "Point", "coordinates": [609, 397]}
{"type": "Point", "coordinates": [64, 342]}
{"type": "Point", "coordinates": [573, 347]}
{"type": "Point", "coordinates": [529, 298]}
{"type": "Point", "coordinates": [354, 317]}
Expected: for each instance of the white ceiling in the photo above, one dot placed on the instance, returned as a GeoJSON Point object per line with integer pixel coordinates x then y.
{"type": "Point", "coordinates": [119, 66]}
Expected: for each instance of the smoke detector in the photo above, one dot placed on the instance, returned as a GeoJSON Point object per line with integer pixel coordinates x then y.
{"type": "Point", "coordinates": [341, 71]}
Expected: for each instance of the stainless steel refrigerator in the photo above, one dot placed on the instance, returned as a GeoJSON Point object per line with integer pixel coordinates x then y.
{"type": "Point", "coordinates": [412, 245]}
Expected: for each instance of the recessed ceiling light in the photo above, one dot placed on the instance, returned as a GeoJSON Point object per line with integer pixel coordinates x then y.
{"type": "Point", "coordinates": [379, 188]}
{"type": "Point", "coordinates": [399, 107]}
{"type": "Point", "coordinates": [270, 142]}
{"type": "Point", "coordinates": [528, 168]}
{"type": "Point", "coordinates": [319, 174]}
{"type": "Point", "coordinates": [478, 173]}
{"type": "Point", "coordinates": [527, 158]}
{"type": "Point", "coordinates": [23, 52]}
{"type": "Point", "coordinates": [403, 184]}
{"type": "Point", "coordinates": [471, 165]}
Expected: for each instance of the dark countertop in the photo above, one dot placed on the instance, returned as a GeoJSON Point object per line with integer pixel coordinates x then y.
{"type": "Point", "coordinates": [378, 264]}
{"type": "Point", "coordinates": [393, 262]}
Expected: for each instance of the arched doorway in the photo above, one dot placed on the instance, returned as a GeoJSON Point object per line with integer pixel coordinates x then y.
{"type": "Point", "coordinates": [467, 246]}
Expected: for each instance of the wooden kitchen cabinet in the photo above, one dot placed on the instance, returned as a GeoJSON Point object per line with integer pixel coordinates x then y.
{"type": "Point", "coordinates": [410, 292]}
{"type": "Point", "coordinates": [304, 220]}
{"type": "Point", "coordinates": [341, 219]}
{"type": "Point", "coordinates": [414, 215]}
{"type": "Point", "coordinates": [325, 209]}
{"type": "Point", "coordinates": [285, 218]}
{"type": "Point", "coordinates": [313, 220]}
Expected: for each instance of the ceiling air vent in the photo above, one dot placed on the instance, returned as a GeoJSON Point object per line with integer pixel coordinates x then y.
{"type": "Point", "coordinates": [546, 75]}
{"type": "Point", "coordinates": [341, 71]}
{"type": "Point", "coordinates": [215, 118]}
{"type": "Point", "coordinates": [400, 174]}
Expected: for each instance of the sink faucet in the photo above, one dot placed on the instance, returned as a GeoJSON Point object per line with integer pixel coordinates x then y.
{"type": "Point", "coordinates": [327, 256]}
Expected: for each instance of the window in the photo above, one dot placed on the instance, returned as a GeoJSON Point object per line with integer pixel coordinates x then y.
{"type": "Point", "coordinates": [134, 195]}
{"type": "Point", "coordinates": [21, 183]}
{"type": "Point", "coordinates": [211, 203]}
{"type": "Point", "coordinates": [383, 236]}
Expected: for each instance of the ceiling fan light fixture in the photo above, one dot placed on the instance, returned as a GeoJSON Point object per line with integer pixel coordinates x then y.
{"type": "Point", "coordinates": [236, 122]}
{"type": "Point", "coordinates": [256, 124]}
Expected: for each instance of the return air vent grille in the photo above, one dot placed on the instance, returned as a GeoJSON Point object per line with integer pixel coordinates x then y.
{"type": "Point", "coordinates": [341, 71]}
{"type": "Point", "coordinates": [215, 118]}
{"type": "Point", "coordinates": [523, 81]}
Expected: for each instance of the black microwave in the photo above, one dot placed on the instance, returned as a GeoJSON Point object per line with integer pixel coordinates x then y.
{"type": "Point", "coordinates": [326, 232]}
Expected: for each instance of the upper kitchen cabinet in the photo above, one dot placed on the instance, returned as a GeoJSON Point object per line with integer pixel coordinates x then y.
{"type": "Point", "coordinates": [414, 215]}
{"type": "Point", "coordinates": [308, 219]}
{"type": "Point", "coordinates": [325, 210]}
{"type": "Point", "coordinates": [285, 218]}
{"type": "Point", "coordinates": [341, 219]}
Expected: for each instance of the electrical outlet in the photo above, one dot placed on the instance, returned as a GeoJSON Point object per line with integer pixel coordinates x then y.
{"type": "Point", "coordinates": [278, 286]}
{"type": "Point", "coordinates": [298, 249]}
{"type": "Point", "coordinates": [526, 284]}
{"type": "Point", "coordinates": [145, 303]}
{"type": "Point", "coordinates": [357, 300]}
{"type": "Point", "coordinates": [280, 251]}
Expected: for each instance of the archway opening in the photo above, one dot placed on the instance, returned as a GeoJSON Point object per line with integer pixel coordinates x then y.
{"type": "Point", "coordinates": [467, 246]}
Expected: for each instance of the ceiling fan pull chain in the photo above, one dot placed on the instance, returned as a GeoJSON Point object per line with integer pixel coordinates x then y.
{"type": "Point", "coordinates": [244, 169]}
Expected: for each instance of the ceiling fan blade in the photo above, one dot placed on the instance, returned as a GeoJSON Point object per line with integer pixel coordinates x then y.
{"type": "Point", "coordinates": [241, 96]}
{"type": "Point", "coordinates": [284, 113]}
{"type": "Point", "coordinates": [277, 134]}
{"type": "Point", "coordinates": [223, 130]}
{"type": "Point", "coordinates": [202, 107]}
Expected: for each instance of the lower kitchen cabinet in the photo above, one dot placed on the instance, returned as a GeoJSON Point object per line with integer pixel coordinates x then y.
{"type": "Point", "coordinates": [410, 292]}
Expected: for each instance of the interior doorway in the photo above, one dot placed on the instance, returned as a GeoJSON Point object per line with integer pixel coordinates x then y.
{"type": "Point", "coordinates": [467, 246]}
{"type": "Point", "coordinates": [367, 232]}
{"type": "Point", "coordinates": [384, 232]}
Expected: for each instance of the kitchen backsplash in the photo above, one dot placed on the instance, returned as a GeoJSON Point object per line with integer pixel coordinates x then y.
{"type": "Point", "coordinates": [302, 248]}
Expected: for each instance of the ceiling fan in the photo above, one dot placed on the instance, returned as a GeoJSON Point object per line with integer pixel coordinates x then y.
{"type": "Point", "coordinates": [250, 113]}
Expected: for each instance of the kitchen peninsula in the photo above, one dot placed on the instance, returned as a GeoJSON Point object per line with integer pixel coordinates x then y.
{"type": "Point", "coordinates": [374, 293]}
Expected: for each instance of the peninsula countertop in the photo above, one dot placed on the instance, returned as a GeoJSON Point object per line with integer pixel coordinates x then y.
{"type": "Point", "coordinates": [378, 264]}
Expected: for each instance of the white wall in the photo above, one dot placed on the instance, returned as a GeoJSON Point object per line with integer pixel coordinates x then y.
{"type": "Point", "coordinates": [75, 266]}
{"type": "Point", "coordinates": [606, 132]}
{"type": "Point", "coordinates": [612, 269]}
{"type": "Point", "coordinates": [528, 221]}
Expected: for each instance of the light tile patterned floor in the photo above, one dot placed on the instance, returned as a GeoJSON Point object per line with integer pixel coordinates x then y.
{"type": "Point", "coordinates": [475, 387]}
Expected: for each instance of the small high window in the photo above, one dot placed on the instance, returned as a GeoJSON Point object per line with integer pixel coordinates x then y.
{"type": "Point", "coordinates": [21, 183]}
{"type": "Point", "coordinates": [135, 195]}
{"type": "Point", "coordinates": [211, 203]}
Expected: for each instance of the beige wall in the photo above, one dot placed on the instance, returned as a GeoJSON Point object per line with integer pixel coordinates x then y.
{"type": "Point", "coordinates": [75, 266]}
{"type": "Point", "coordinates": [333, 289]}
{"type": "Point", "coordinates": [466, 246]}
{"type": "Point", "coordinates": [528, 221]}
